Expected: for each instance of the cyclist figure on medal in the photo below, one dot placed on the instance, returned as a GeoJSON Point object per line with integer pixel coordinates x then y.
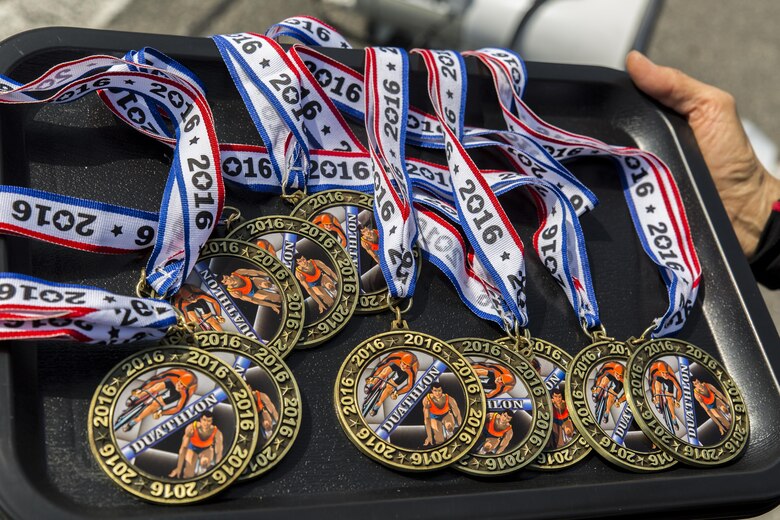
{"type": "Point", "coordinates": [199, 308]}
{"type": "Point", "coordinates": [166, 393]}
{"type": "Point", "coordinates": [393, 375]}
{"type": "Point", "coordinates": [666, 392]}
{"type": "Point", "coordinates": [607, 389]}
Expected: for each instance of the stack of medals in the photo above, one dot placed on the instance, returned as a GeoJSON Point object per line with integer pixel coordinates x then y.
{"type": "Point", "coordinates": [215, 401]}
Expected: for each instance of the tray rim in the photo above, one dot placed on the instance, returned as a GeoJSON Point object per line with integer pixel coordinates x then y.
{"type": "Point", "coordinates": [752, 487]}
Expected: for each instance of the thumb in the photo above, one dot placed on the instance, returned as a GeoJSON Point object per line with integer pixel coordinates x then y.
{"type": "Point", "coordinates": [669, 86]}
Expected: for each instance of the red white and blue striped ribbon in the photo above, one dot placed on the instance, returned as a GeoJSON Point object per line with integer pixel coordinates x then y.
{"type": "Point", "coordinates": [190, 209]}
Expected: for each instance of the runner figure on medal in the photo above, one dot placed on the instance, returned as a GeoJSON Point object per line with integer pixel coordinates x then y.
{"type": "Point", "coordinates": [498, 433]}
{"type": "Point", "coordinates": [201, 447]}
{"type": "Point", "coordinates": [267, 412]}
{"type": "Point", "coordinates": [253, 286]}
{"type": "Point", "coordinates": [393, 376]}
{"type": "Point", "coordinates": [199, 308]}
{"type": "Point", "coordinates": [369, 241]}
{"type": "Point", "coordinates": [608, 389]}
{"type": "Point", "coordinates": [318, 280]}
{"type": "Point", "coordinates": [164, 394]}
{"type": "Point", "coordinates": [563, 428]}
{"type": "Point", "coordinates": [441, 416]}
{"type": "Point", "coordinates": [666, 392]}
{"type": "Point", "coordinates": [714, 404]}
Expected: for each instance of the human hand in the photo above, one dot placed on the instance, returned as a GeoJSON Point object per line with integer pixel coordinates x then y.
{"type": "Point", "coordinates": [746, 188]}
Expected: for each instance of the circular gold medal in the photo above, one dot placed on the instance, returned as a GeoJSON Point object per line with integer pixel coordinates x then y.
{"type": "Point", "coordinates": [518, 421]}
{"type": "Point", "coordinates": [566, 446]}
{"type": "Point", "coordinates": [273, 388]}
{"type": "Point", "coordinates": [173, 425]}
{"type": "Point", "coordinates": [595, 386]}
{"type": "Point", "coordinates": [409, 401]}
{"type": "Point", "coordinates": [320, 265]}
{"type": "Point", "coordinates": [686, 402]}
{"type": "Point", "coordinates": [239, 287]}
{"type": "Point", "coordinates": [349, 217]}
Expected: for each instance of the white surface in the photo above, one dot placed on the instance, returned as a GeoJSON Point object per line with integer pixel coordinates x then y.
{"type": "Point", "coordinates": [596, 32]}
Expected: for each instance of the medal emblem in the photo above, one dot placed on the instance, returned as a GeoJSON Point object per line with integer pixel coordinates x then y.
{"type": "Point", "coordinates": [173, 425]}
{"type": "Point", "coordinates": [349, 217]}
{"type": "Point", "coordinates": [273, 389]}
{"type": "Point", "coordinates": [518, 421]}
{"type": "Point", "coordinates": [319, 264]}
{"type": "Point", "coordinates": [596, 386]}
{"type": "Point", "coordinates": [238, 287]}
{"type": "Point", "coordinates": [410, 401]}
{"type": "Point", "coordinates": [687, 402]}
{"type": "Point", "coordinates": [566, 446]}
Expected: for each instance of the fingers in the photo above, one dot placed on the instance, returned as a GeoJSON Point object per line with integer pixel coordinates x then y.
{"type": "Point", "coordinates": [673, 88]}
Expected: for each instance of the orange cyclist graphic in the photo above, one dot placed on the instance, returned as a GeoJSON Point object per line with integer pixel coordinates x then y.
{"type": "Point", "coordinates": [392, 377]}
{"type": "Point", "coordinates": [496, 379]}
{"type": "Point", "coordinates": [608, 389]}
{"type": "Point", "coordinates": [166, 393]}
{"type": "Point", "coordinates": [267, 412]}
{"type": "Point", "coordinates": [667, 392]}
{"type": "Point", "coordinates": [199, 308]}
{"type": "Point", "coordinates": [332, 225]}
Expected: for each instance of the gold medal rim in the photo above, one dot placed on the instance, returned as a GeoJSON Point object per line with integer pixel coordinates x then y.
{"type": "Point", "coordinates": [286, 337]}
{"type": "Point", "coordinates": [577, 404]}
{"type": "Point", "coordinates": [310, 336]}
{"type": "Point", "coordinates": [643, 360]}
{"type": "Point", "coordinates": [310, 206]}
{"type": "Point", "coordinates": [260, 355]}
{"type": "Point", "coordinates": [468, 406]}
{"type": "Point", "coordinates": [517, 364]}
{"type": "Point", "coordinates": [171, 358]}
{"type": "Point", "coordinates": [578, 448]}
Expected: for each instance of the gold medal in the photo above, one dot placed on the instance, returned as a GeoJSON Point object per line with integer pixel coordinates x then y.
{"type": "Point", "coordinates": [566, 446]}
{"type": "Point", "coordinates": [273, 388]}
{"type": "Point", "coordinates": [686, 402]}
{"type": "Point", "coordinates": [173, 425]}
{"type": "Point", "coordinates": [349, 217]}
{"type": "Point", "coordinates": [518, 421]}
{"type": "Point", "coordinates": [320, 265]}
{"type": "Point", "coordinates": [595, 385]}
{"type": "Point", "coordinates": [409, 401]}
{"type": "Point", "coordinates": [239, 287]}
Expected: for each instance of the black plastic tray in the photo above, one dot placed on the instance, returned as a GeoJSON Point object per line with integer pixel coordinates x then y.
{"type": "Point", "coordinates": [46, 469]}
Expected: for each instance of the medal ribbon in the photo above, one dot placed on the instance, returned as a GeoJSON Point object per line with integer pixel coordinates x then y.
{"type": "Point", "coordinates": [650, 190]}
{"type": "Point", "coordinates": [192, 203]}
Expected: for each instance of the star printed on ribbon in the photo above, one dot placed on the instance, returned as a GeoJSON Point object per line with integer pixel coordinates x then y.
{"type": "Point", "coordinates": [265, 63]}
{"type": "Point", "coordinates": [505, 256]}
{"type": "Point", "coordinates": [290, 95]}
{"type": "Point", "coordinates": [650, 209]}
{"type": "Point", "coordinates": [64, 220]}
{"type": "Point", "coordinates": [325, 130]}
{"type": "Point", "coordinates": [117, 230]}
{"type": "Point", "coordinates": [232, 165]}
